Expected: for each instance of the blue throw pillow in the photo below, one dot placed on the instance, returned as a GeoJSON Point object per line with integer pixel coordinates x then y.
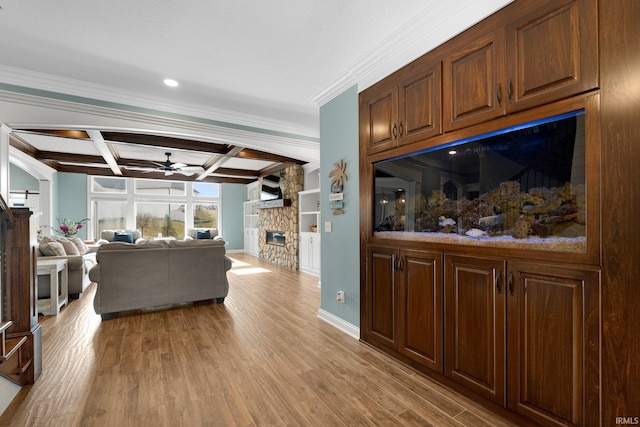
{"type": "Point", "coordinates": [202, 235]}
{"type": "Point", "coordinates": [123, 237]}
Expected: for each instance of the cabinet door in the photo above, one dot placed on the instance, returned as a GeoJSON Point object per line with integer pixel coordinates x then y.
{"type": "Point", "coordinates": [552, 53]}
{"type": "Point", "coordinates": [420, 308]}
{"type": "Point", "coordinates": [304, 252]}
{"type": "Point", "coordinates": [475, 324]}
{"type": "Point", "coordinates": [419, 95]}
{"type": "Point", "coordinates": [315, 252]}
{"type": "Point", "coordinates": [380, 297]}
{"type": "Point", "coordinates": [553, 341]}
{"type": "Point", "coordinates": [472, 81]}
{"type": "Point", "coordinates": [378, 112]}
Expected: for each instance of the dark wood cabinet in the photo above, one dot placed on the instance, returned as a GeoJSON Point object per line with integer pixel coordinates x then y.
{"type": "Point", "coordinates": [552, 53]}
{"type": "Point", "coordinates": [473, 80]}
{"type": "Point", "coordinates": [404, 308]}
{"type": "Point", "coordinates": [475, 313]}
{"type": "Point", "coordinates": [19, 297]}
{"type": "Point", "coordinates": [549, 52]}
{"type": "Point", "coordinates": [553, 343]}
{"type": "Point", "coordinates": [380, 311]}
{"type": "Point", "coordinates": [402, 109]}
{"type": "Point", "coordinates": [515, 326]}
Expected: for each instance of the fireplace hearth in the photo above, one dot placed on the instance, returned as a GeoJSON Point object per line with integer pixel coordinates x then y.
{"type": "Point", "coordinates": [276, 238]}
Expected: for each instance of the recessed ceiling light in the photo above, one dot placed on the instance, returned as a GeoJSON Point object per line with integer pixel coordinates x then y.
{"type": "Point", "coordinates": [171, 82]}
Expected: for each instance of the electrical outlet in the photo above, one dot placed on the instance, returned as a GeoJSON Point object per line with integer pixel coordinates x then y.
{"type": "Point", "coordinates": [340, 297]}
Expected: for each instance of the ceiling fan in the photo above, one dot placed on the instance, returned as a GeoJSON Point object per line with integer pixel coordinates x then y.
{"type": "Point", "coordinates": [169, 168]}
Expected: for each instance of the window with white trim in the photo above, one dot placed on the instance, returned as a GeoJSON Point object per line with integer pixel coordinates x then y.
{"type": "Point", "coordinates": [158, 208]}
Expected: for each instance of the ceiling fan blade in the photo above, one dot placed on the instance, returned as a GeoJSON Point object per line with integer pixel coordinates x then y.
{"type": "Point", "coordinates": [139, 168]}
{"type": "Point", "coordinates": [168, 173]}
{"type": "Point", "coordinates": [185, 173]}
{"type": "Point", "coordinates": [178, 165]}
{"type": "Point", "coordinates": [192, 168]}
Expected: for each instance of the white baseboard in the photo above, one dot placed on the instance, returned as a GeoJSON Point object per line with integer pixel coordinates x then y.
{"type": "Point", "coordinates": [8, 390]}
{"type": "Point", "coordinates": [339, 323]}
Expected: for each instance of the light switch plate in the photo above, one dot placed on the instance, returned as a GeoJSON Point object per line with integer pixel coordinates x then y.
{"type": "Point", "coordinates": [327, 226]}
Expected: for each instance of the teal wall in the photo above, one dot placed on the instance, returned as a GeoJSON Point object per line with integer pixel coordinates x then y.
{"type": "Point", "coordinates": [232, 198]}
{"type": "Point", "coordinates": [19, 180]}
{"type": "Point", "coordinates": [340, 249]}
{"type": "Point", "coordinates": [72, 199]}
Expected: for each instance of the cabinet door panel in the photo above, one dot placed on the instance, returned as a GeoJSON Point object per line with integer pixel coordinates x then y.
{"type": "Point", "coordinates": [553, 344]}
{"type": "Point", "coordinates": [475, 324]}
{"type": "Point", "coordinates": [551, 54]}
{"type": "Point", "coordinates": [378, 113]}
{"type": "Point", "coordinates": [381, 316]}
{"type": "Point", "coordinates": [473, 91]}
{"type": "Point", "coordinates": [420, 309]}
{"type": "Point", "coordinates": [419, 95]}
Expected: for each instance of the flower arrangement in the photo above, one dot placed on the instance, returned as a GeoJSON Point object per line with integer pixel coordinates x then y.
{"type": "Point", "coordinates": [70, 228]}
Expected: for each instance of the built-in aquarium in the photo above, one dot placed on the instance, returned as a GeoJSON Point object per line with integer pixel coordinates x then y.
{"type": "Point", "coordinates": [521, 187]}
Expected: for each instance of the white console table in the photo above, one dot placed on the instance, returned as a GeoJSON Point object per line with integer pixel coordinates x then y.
{"type": "Point", "coordinates": [58, 289]}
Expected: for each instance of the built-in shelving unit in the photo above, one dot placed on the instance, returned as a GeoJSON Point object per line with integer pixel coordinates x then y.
{"type": "Point", "coordinates": [309, 220]}
{"type": "Point", "coordinates": [251, 227]}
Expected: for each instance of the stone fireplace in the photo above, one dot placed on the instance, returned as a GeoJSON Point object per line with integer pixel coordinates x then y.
{"type": "Point", "coordinates": [282, 220]}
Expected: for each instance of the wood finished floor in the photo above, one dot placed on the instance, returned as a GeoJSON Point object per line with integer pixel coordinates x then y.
{"type": "Point", "coordinates": [261, 358]}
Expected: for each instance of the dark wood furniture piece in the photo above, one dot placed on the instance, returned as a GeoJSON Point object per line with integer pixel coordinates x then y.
{"type": "Point", "coordinates": [21, 358]}
{"type": "Point", "coordinates": [546, 337]}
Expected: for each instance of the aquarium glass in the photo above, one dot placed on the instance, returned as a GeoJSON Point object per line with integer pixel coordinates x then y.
{"type": "Point", "coordinates": [520, 186]}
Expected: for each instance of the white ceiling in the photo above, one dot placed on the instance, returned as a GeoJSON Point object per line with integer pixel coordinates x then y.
{"type": "Point", "coordinates": [265, 65]}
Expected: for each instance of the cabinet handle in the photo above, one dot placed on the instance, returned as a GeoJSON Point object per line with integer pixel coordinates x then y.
{"type": "Point", "coordinates": [401, 130]}
{"type": "Point", "coordinates": [510, 91]}
{"type": "Point", "coordinates": [400, 264]}
{"type": "Point", "coordinates": [310, 239]}
{"type": "Point", "coordinates": [510, 283]}
{"type": "Point", "coordinates": [498, 287]}
{"type": "Point", "coordinates": [499, 95]}
{"type": "Point", "coordinates": [394, 130]}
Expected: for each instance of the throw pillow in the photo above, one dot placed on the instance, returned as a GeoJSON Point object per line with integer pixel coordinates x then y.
{"type": "Point", "coordinates": [68, 245]}
{"type": "Point", "coordinates": [123, 237]}
{"type": "Point", "coordinates": [201, 235]}
{"type": "Point", "coordinates": [82, 248]}
{"type": "Point", "coordinates": [52, 248]}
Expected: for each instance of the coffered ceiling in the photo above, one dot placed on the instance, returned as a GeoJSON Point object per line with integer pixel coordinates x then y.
{"type": "Point", "coordinates": [252, 76]}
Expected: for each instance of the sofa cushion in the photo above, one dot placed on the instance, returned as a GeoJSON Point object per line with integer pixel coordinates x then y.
{"type": "Point", "coordinates": [195, 243]}
{"type": "Point", "coordinates": [119, 236]}
{"type": "Point", "coordinates": [118, 246]}
{"type": "Point", "coordinates": [51, 248]}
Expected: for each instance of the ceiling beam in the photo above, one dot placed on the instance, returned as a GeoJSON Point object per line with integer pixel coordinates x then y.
{"type": "Point", "coordinates": [104, 151]}
{"type": "Point", "coordinates": [219, 162]}
{"type": "Point", "coordinates": [165, 142]}
{"type": "Point", "coordinates": [249, 153]}
{"type": "Point", "coordinates": [99, 171]}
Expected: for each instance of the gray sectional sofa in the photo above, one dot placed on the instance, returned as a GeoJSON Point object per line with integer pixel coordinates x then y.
{"type": "Point", "coordinates": [158, 273]}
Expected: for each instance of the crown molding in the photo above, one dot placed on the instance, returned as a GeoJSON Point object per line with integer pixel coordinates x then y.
{"type": "Point", "coordinates": [415, 38]}
{"type": "Point", "coordinates": [58, 87]}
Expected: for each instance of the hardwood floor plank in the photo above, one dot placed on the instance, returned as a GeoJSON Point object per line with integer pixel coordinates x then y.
{"type": "Point", "coordinates": [263, 357]}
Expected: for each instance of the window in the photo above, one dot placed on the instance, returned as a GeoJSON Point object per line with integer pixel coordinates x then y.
{"type": "Point", "coordinates": [205, 215]}
{"type": "Point", "coordinates": [160, 219]}
{"type": "Point", "coordinates": [155, 207]}
{"type": "Point", "coordinates": [108, 215]}
{"type": "Point", "coordinates": [160, 188]}
{"type": "Point", "coordinates": [108, 185]}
